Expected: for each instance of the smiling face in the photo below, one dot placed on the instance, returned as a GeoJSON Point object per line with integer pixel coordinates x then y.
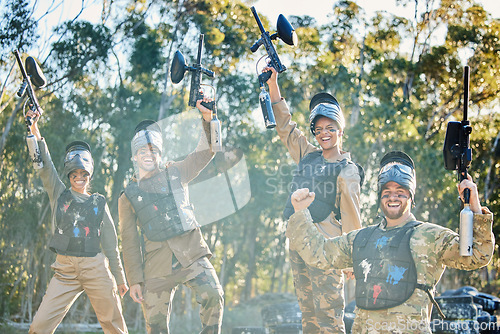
{"type": "Point", "coordinates": [147, 159]}
{"type": "Point", "coordinates": [79, 180]}
{"type": "Point", "coordinates": [395, 203]}
{"type": "Point", "coordinates": [327, 133]}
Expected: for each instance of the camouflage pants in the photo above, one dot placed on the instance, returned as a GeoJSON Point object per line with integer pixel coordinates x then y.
{"type": "Point", "coordinates": [320, 295]}
{"type": "Point", "coordinates": [159, 294]}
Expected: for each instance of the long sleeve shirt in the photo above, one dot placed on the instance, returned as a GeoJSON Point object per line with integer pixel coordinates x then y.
{"type": "Point", "coordinates": [158, 255]}
{"type": "Point", "coordinates": [54, 187]}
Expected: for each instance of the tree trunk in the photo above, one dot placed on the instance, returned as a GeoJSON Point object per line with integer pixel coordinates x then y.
{"type": "Point", "coordinates": [359, 88]}
{"type": "Point", "coordinates": [251, 263]}
{"type": "Point", "coordinates": [6, 130]}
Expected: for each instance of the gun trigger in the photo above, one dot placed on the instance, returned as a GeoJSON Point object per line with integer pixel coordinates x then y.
{"type": "Point", "coordinates": [263, 77]}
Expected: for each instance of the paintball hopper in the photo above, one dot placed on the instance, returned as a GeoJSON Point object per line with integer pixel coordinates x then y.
{"type": "Point", "coordinates": [35, 73]}
{"type": "Point", "coordinates": [285, 32]}
{"type": "Point", "coordinates": [452, 151]}
{"type": "Point", "coordinates": [178, 68]}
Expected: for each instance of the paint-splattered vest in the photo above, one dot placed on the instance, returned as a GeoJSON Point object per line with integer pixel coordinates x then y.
{"type": "Point", "coordinates": [161, 205]}
{"type": "Point", "coordinates": [78, 225]}
{"type": "Point", "coordinates": [321, 177]}
{"type": "Point", "coordinates": [384, 268]}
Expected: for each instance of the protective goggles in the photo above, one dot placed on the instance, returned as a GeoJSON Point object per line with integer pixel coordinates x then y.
{"type": "Point", "coordinates": [404, 169]}
{"type": "Point", "coordinates": [326, 109]}
{"type": "Point", "coordinates": [144, 138]}
{"type": "Point", "coordinates": [83, 154]}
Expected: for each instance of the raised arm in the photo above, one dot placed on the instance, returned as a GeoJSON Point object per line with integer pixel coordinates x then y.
{"type": "Point", "coordinates": [294, 140]}
{"type": "Point", "coordinates": [483, 238]}
{"type": "Point", "coordinates": [313, 247]}
{"type": "Point", "coordinates": [197, 160]}
{"type": "Point", "coordinates": [48, 173]}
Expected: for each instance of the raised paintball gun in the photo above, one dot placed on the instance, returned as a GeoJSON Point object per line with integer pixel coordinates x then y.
{"type": "Point", "coordinates": [32, 74]}
{"type": "Point", "coordinates": [177, 70]}
{"type": "Point", "coordinates": [287, 34]}
{"type": "Point", "coordinates": [458, 156]}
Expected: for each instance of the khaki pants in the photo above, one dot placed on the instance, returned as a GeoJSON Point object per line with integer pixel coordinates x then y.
{"type": "Point", "coordinates": [74, 275]}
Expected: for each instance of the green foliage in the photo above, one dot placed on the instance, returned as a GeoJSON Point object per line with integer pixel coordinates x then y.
{"type": "Point", "coordinates": [17, 28]}
{"type": "Point", "coordinates": [81, 43]}
{"type": "Point", "coordinates": [104, 79]}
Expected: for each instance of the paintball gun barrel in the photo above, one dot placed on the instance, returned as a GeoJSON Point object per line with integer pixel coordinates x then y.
{"type": "Point", "coordinates": [179, 67]}
{"type": "Point", "coordinates": [458, 156]}
{"type": "Point", "coordinates": [177, 70]}
{"type": "Point", "coordinates": [287, 34]}
{"type": "Point", "coordinates": [32, 74]}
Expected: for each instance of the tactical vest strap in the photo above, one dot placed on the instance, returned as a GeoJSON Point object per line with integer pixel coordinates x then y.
{"type": "Point", "coordinates": [428, 289]}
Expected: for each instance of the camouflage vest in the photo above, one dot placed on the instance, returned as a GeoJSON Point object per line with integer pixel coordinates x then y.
{"type": "Point", "coordinates": [78, 225]}
{"type": "Point", "coordinates": [321, 177]}
{"type": "Point", "coordinates": [385, 272]}
{"type": "Point", "coordinates": [161, 205]}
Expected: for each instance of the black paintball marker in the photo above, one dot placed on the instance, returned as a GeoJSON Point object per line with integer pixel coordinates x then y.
{"type": "Point", "coordinates": [458, 156]}
{"type": "Point", "coordinates": [287, 34]}
{"type": "Point", "coordinates": [177, 70]}
{"type": "Point", "coordinates": [32, 74]}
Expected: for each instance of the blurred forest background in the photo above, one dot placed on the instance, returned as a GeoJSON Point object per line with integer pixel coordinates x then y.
{"type": "Point", "coordinates": [398, 80]}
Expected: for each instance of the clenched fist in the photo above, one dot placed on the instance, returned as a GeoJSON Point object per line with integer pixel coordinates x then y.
{"type": "Point", "coordinates": [301, 199]}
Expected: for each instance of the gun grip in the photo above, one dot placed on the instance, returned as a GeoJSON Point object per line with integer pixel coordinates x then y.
{"type": "Point", "coordinates": [264, 76]}
{"type": "Point", "coordinates": [208, 105]}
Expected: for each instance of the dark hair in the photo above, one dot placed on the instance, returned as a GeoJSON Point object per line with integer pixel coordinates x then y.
{"type": "Point", "coordinates": [147, 124]}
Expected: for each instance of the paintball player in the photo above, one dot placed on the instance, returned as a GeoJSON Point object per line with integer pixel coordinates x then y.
{"type": "Point", "coordinates": [336, 180]}
{"type": "Point", "coordinates": [82, 230]}
{"type": "Point", "coordinates": [156, 201]}
{"type": "Point", "coordinates": [397, 262]}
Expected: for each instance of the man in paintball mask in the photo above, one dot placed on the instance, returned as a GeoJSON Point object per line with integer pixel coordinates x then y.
{"type": "Point", "coordinates": [336, 179]}
{"type": "Point", "coordinates": [156, 201]}
{"type": "Point", "coordinates": [82, 231]}
{"type": "Point", "coordinates": [398, 262]}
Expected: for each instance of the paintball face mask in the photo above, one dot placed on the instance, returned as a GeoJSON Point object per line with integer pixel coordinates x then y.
{"type": "Point", "coordinates": [398, 167]}
{"type": "Point", "coordinates": [324, 104]}
{"type": "Point", "coordinates": [78, 156]}
{"type": "Point", "coordinates": [147, 133]}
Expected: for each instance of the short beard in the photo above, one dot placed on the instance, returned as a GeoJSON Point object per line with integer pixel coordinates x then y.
{"type": "Point", "coordinates": [396, 215]}
{"type": "Point", "coordinates": [393, 216]}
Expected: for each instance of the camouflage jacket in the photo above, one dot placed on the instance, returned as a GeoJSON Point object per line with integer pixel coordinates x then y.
{"type": "Point", "coordinates": [347, 182]}
{"type": "Point", "coordinates": [433, 247]}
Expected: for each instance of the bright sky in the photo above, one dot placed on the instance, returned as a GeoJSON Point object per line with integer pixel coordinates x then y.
{"type": "Point", "coordinates": [319, 9]}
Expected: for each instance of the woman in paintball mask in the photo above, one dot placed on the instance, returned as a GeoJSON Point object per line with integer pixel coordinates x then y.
{"type": "Point", "coordinates": [329, 172]}
{"type": "Point", "coordinates": [84, 239]}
